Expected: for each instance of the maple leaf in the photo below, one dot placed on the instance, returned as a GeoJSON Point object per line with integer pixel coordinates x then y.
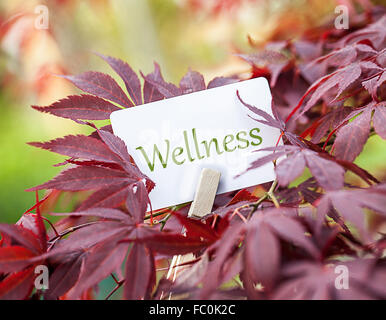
{"type": "Point", "coordinates": [174, 244]}
{"type": "Point", "coordinates": [104, 213]}
{"type": "Point", "coordinates": [101, 85]}
{"type": "Point", "coordinates": [350, 204]}
{"type": "Point", "coordinates": [344, 56]}
{"type": "Point", "coordinates": [304, 191]}
{"type": "Point", "coordinates": [192, 81]}
{"type": "Point", "coordinates": [85, 178]}
{"type": "Point", "coordinates": [331, 121]}
{"type": "Point", "coordinates": [111, 197]}
{"type": "Point", "coordinates": [262, 248]}
{"type": "Point", "coordinates": [105, 244]}
{"type": "Point", "coordinates": [107, 255]}
{"type": "Point", "coordinates": [27, 241]}
{"type": "Point", "coordinates": [113, 184]}
{"type": "Point", "coordinates": [271, 58]}
{"type": "Point", "coordinates": [198, 228]}
{"type": "Point", "coordinates": [379, 119]}
{"type": "Point", "coordinates": [297, 159]}
{"type": "Point", "coordinates": [96, 243]}
{"type": "Point", "coordinates": [261, 255]}
{"type": "Point", "coordinates": [139, 273]}
{"type": "Point", "coordinates": [86, 107]}
{"type": "Point", "coordinates": [374, 32]}
{"type": "Point", "coordinates": [18, 285]}
{"type": "Point", "coordinates": [79, 146]}
{"type": "Point", "coordinates": [341, 78]}
{"type": "Point", "coordinates": [317, 281]}
{"type": "Point", "coordinates": [15, 234]}
{"type": "Point", "coordinates": [221, 81]}
{"type": "Point", "coordinates": [14, 258]}
{"type": "Point", "coordinates": [351, 137]}
{"type": "Point", "coordinates": [150, 92]}
{"type": "Point", "coordinates": [242, 195]}
{"type": "Point", "coordinates": [85, 236]}
{"type": "Point", "coordinates": [129, 77]}
{"type": "Point", "coordinates": [220, 267]}
{"type": "Point", "coordinates": [309, 51]}
{"type": "Point", "coordinates": [64, 277]}
{"type": "Point", "coordinates": [168, 90]}
{"type": "Point", "coordinates": [137, 202]}
{"type": "Point", "coordinates": [276, 122]}
{"type": "Point", "coordinates": [374, 82]}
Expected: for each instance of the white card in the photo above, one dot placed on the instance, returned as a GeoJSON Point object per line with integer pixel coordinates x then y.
{"type": "Point", "coordinates": [172, 140]}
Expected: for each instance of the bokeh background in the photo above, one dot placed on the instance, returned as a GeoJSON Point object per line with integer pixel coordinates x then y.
{"type": "Point", "coordinates": [201, 34]}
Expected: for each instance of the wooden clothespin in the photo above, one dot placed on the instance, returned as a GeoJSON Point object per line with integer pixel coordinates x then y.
{"type": "Point", "coordinates": [200, 207]}
{"type": "Point", "coordinates": [205, 193]}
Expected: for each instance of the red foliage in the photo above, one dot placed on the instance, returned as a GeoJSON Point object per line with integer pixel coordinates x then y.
{"type": "Point", "coordinates": [284, 244]}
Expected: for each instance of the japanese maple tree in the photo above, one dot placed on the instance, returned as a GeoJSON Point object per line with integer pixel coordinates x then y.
{"type": "Point", "coordinates": [279, 240]}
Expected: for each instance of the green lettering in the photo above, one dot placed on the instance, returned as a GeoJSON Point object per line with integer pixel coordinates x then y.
{"type": "Point", "coordinates": [242, 140]}
{"type": "Point", "coordinates": [191, 159]}
{"type": "Point", "coordinates": [164, 163]}
{"type": "Point", "coordinates": [260, 139]}
{"type": "Point", "coordinates": [196, 144]}
{"type": "Point", "coordinates": [207, 146]}
{"type": "Point", "coordinates": [227, 141]}
{"type": "Point", "coordinates": [177, 152]}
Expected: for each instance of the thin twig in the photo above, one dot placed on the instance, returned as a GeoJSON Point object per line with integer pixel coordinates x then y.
{"type": "Point", "coordinates": [271, 194]}
{"type": "Point", "coordinates": [67, 231]}
{"type": "Point", "coordinates": [52, 226]}
{"type": "Point", "coordinates": [267, 195]}
{"type": "Point", "coordinates": [163, 221]}
{"type": "Point", "coordinates": [256, 205]}
{"type": "Point", "coordinates": [119, 284]}
{"type": "Point", "coordinates": [115, 278]}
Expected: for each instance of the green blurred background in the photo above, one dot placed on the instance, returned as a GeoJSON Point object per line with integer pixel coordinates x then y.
{"type": "Point", "coordinates": [176, 33]}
